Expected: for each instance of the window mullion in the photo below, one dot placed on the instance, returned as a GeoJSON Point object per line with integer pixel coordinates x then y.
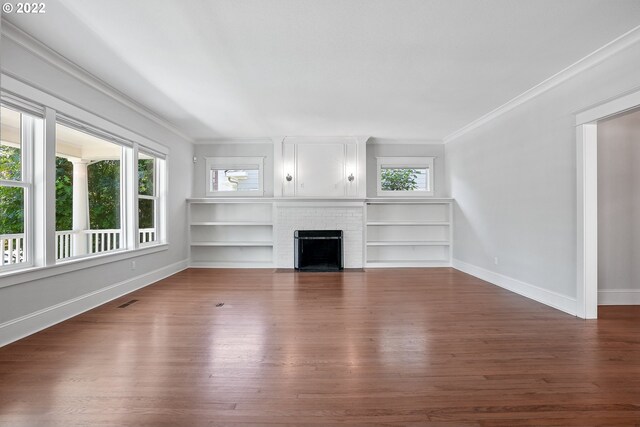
{"type": "Point", "coordinates": [130, 195]}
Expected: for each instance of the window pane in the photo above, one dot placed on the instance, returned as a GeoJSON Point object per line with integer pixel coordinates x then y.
{"type": "Point", "coordinates": [104, 195]}
{"type": "Point", "coordinates": [87, 193]}
{"type": "Point", "coordinates": [146, 165]}
{"type": "Point", "coordinates": [10, 144]}
{"type": "Point", "coordinates": [64, 194]}
{"type": "Point", "coordinates": [12, 237]}
{"type": "Point", "coordinates": [234, 179]}
{"type": "Point", "coordinates": [404, 179]}
{"type": "Point", "coordinates": [146, 220]}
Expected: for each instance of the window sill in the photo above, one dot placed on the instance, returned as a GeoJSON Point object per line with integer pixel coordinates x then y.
{"type": "Point", "coordinates": [425, 194]}
{"type": "Point", "coordinates": [28, 274]}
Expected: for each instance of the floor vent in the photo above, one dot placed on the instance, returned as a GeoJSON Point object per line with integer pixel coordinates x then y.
{"type": "Point", "coordinates": [127, 304]}
{"type": "Point", "coordinates": [220, 304]}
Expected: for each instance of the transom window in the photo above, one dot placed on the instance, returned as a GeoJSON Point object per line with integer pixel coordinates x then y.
{"type": "Point", "coordinates": [405, 176]}
{"type": "Point", "coordinates": [234, 176]}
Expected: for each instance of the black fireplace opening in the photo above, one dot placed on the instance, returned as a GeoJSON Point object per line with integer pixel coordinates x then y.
{"type": "Point", "coordinates": [318, 250]}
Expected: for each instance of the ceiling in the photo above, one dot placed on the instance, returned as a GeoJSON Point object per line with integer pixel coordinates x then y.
{"type": "Point", "coordinates": [418, 69]}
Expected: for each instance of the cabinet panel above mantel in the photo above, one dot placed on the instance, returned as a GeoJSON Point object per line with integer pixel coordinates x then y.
{"type": "Point", "coordinates": [320, 167]}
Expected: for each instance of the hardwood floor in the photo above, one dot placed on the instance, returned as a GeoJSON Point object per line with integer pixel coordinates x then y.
{"type": "Point", "coordinates": [381, 347]}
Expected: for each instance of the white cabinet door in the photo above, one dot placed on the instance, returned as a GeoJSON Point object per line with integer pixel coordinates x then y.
{"type": "Point", "coordinates": [320, 170]}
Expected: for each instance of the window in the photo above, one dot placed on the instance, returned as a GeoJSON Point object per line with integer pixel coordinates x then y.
{"type": "Point", "coordinates": [88, 193]}
{"type": "Point", "coordinates": [234, 176]}
{"type": "Point", "coordinates": [109, 192]}
{"type": "Point", "coordinates": [148, 177]}
{"type": "Point", "coordinates": [405, 176]}
{"type": "Point", "coordinates": [18, 132]}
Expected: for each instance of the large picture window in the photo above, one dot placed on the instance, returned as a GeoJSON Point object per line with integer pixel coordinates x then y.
{"type": "Point", "coordinates": [108, 191]}
{"type": "Point", "coordinates": [18, 131]}
{"type": "Point", "coordinates": [88, 194]}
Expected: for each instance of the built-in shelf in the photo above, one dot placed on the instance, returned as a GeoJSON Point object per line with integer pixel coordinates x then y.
{"type": "Point", "coordinates": [408, 233]}
{"type": "Point", "coordinates": [227, 233]}
{"type": "Point", "coordinates": [407, 243]}
{"type": "Point", "coordinates": [231, 243]}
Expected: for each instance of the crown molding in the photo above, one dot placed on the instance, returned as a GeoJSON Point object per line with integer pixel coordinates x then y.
{"type": "Point", "coordinates": [223, 141]}
{"type": "Point", "coordinates": [36, 47]}
{"type": "Point", "coordinates": [627, 39]}
{"type": "Point", "coordinates": [393, 141]}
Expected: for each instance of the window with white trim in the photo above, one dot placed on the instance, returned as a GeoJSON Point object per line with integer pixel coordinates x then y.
{"type": "Point", "coordinates": [405, 176]}
{"type": "Point", "coordinates": [109, 192]}
{"type": "Point", "coordinates": [18, 133]}
{"type": "Point", "coordinates": [148, 200]}
{"type": "Point", "coordinates": [234, 176]}
{"type": "Point", "coordinates": [89, 196]}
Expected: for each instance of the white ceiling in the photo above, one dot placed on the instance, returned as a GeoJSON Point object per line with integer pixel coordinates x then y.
{"type": "Point", "coordinates": [388, 68]}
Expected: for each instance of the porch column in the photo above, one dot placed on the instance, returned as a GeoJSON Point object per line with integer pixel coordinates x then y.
{"type": "Point", "coordinates": [80, 207]}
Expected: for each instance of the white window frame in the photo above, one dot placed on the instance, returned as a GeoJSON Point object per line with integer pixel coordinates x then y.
{"type": "Point", "coordinates": [40, 200]}
{"type": "Point", "coordinates": [157, 197]}
{"type": "Point", "coordinates": [126, 148]}
{"type": "Point", "coordinates": [28, 134]}
{"type": "Point", "coordinates": [406, 162]}
{"type": "Point", "coordinates": [234, 163]}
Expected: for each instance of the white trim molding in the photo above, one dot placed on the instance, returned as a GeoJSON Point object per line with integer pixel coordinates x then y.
{"type": "Point", "coordinates": [619, 297]}
{"type": "Point", "coordinates": [627, 39]}
{"type": "Point", "coordinates": [24, 326]}
{"type": "Point", "coordinates": [536, 293]}
{"type": "Point", "coordinates": [17, 35]}
{"type": "Point", "coordinates": [587, 221]}
{"type": "Point", "coordinates": [587, 295]}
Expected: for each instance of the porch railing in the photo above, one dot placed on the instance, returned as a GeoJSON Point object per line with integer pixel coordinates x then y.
{"type": "Point", "coordinates": [12, 246]}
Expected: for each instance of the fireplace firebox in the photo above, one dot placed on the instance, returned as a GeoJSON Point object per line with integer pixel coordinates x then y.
{"type": "Point", "coordinates": [318, 250]}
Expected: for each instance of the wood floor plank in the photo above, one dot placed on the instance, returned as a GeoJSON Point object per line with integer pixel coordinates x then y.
{"type": "Point", "coordinates": [383, 347]}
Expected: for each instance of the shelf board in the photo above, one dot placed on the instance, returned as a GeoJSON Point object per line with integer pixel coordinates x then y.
{"type": "Point", "coordinates": [408, 223]}
{"type": "Point", "coordinates": [408, 243]}
{"type": "Point", "coordinates": [231, 223]}
{"type": "Point", "coordinates": [395, 264]}
{"type": "Point", "coordinates": [231, 264]}
{"type": "Point", "coordinates": [219, 243]}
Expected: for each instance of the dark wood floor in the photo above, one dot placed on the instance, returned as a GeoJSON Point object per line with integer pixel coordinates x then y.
{"type": "Point", "coordinates": [382, 347]}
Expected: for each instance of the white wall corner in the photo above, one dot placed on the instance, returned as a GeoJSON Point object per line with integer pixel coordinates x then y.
{"type": "Point", "coordinates": [536, 293]}
{"type": "Point", "coordinates": [29, 324]}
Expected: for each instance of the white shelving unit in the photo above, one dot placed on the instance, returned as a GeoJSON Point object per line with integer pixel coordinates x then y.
{"type": "Point", "coordinates": [231, 232]}
{"type": "Point", "coordinates": [408, 233]}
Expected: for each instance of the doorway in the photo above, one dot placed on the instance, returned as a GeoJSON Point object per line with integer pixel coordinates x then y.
{"type": "Point", "coordinates": [587, 199]}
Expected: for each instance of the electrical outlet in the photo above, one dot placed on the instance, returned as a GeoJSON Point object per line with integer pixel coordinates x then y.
{"type": "Point", "coordinates": [495, 260]}
{"type": "Point", "coordinates": [133, 265]}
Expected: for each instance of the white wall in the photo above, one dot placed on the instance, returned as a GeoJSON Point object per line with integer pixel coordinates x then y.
{"type": "Point", "coordinates": [514, 182]}
{"type": "Point", "coordinates": [397, 148]}
{"type": "Point", "coordinates": [259, 148]}
{"type": "Point", "coordinates": [51, 293]}
{"type": "Point", "coordinates": [619, 207]}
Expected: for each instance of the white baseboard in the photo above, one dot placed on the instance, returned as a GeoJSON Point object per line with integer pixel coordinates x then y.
{"type": "Point", "coordinates": [619, 297]}
{"type": "Point", "coordinates": [21, 327]}
{"type": "Point", "coordinates": [544, 296]}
